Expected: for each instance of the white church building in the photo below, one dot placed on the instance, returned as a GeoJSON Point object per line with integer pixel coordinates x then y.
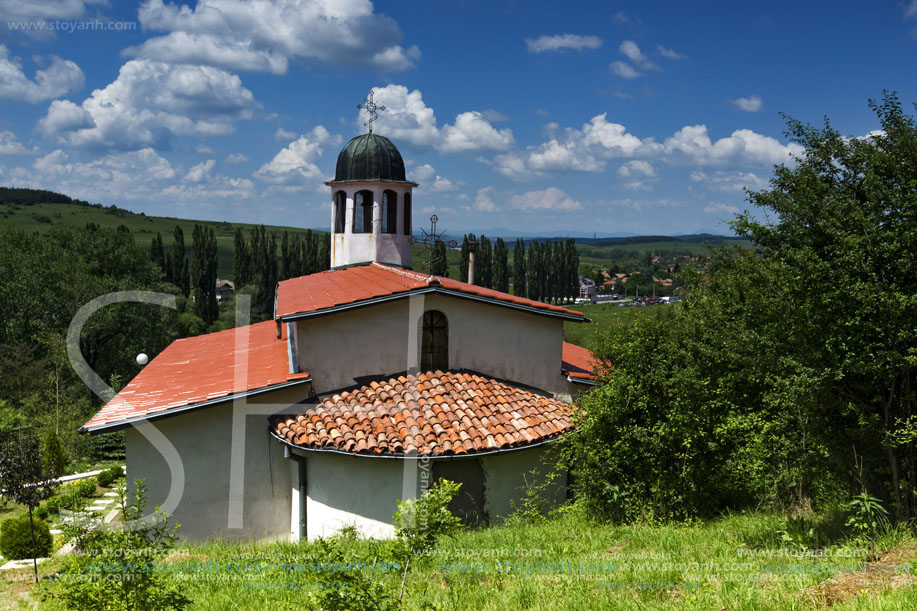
{"type": "Point", "coordinates": [371, 381]}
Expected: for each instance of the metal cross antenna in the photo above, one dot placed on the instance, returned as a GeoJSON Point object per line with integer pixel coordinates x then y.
{"type": "Point", "coordinates": [429, 241]}
{"type": "Point", "coordinates": [372, 108]}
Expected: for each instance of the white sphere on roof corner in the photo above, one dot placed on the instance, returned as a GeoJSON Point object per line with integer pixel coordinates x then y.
{"type": "Point", "coordinates": [142, 359]}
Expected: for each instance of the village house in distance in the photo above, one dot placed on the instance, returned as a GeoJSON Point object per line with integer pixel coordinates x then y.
{"type": "Point", "coordinates": [371, 381]}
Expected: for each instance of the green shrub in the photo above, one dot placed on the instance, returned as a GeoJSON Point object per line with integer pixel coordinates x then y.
{"type": "Point", "coordinates": [16, 538]}
{"type": "Point", "coordinates": [105, 478]}
{"type": "Point", "coordinates": [88, 487]}
{"type": "Point", "coordinates": [42, 512]}
{"type": "Point", "coordinates": [119, 567]}
{"type": "Point", "coordinates": [53, 505]}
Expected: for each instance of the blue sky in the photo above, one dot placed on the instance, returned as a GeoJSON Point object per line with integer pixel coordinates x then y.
{"type": "Point", "coordinates": [541, 117]}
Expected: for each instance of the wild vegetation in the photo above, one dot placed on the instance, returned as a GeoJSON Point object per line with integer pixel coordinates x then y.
{"type": "Point", "coordinates": [753, 446]}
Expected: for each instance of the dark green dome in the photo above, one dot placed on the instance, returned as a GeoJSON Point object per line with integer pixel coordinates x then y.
{"type": "Point", "coordinates": [370, 157]}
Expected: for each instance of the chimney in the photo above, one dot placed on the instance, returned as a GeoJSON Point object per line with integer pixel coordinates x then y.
{"type": "Point", "coordinates": [471, 267]}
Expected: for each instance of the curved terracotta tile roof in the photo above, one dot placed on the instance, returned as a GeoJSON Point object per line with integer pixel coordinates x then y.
{"type": "Point", "coordinates": [577, 362]}
{"type": "Point", "coordinates": [429, 414]}
{"type": "Point", "coordinates": [202, 369]}
{"type": "Point", "coordinates": [351, 285]}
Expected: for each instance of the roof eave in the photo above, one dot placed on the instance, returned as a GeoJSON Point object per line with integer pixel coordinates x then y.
{"type": "Point", "coordinates": [393, 456]}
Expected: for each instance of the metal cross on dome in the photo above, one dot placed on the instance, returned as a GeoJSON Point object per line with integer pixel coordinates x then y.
{"type": "Point", "coordinates": [429, 241]}
{"type": "Point", "coordinates": [372, 108]}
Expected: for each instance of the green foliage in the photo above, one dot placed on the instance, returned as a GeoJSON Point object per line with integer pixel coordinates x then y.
{"type": "Point", "coordinates": [867, 518]}
{"type": "Point", "coordinates": [87, 487]}
{"type": "Point", "coordinates": [352, 590]}
{"type": "Point", "coordinates": [780, 359]}
{"type": "Point", "coordinates": [419, 522]}
{"type": "Point", "coordinates": [53, 505]}
{"type": "Point", "coordinates": [204, 273]}
{"type": "Point", "coordinates": [105, 479]}
{"type": "Point", "coordinates": [116, 568]}
{"type": "Point", "coordinates": [536, 503]}
{"type": "Point", "coordinates": [54, 456]}
{"type": "Point", "coordinates": [16, 538]}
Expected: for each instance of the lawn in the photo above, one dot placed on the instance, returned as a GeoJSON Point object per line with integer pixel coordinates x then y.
{"type": "Point", "coordinates": [746, 561]}
{"type": "Point", "coordinates": [605, 316]}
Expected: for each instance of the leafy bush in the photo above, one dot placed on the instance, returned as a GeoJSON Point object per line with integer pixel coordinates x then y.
{"type": "Point", "coordinates": [105, 478]}
{"type": "Point", "coordinates": [53, 505]}
{"type": "Point", "coordinates": [116, 567]}
{"type": "Point", "coordinates": [87, 487]}
{"type": "Point", "coordinates": [16, 538]}
{"type": "Point", "coordinates": [41, 512]}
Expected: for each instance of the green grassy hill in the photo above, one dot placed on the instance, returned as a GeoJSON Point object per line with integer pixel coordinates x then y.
{"type": "Point", "coordinates": [39, 211]}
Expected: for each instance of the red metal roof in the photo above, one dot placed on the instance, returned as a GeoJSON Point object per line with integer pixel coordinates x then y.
{"type": "Point", "coordinates": [578, 362]}
{"type": "Point", "coordinates": [433, 413]}
{"type": "Point", "coordinates": [201, 369]}
{"type": "Point", "coordinates": [352, 285]}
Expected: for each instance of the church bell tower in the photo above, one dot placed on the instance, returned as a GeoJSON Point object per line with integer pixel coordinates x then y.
{"type": "Point", "coordinates": [370, 202]}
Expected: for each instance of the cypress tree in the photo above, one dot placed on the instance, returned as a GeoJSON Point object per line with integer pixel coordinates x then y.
{"type": "Point", "coordinates": [180, 276]}
{"type": "Point", "coordinates": [500, 267]}
{"type": "Point", "coordinates": [483, 274]}
{"type": "Point", "coordinates": [439, 265]}
{"type": "Point", "coordinates": [157, 252]}
{"type": "Point", "coordinates": [519, 280]}
{"type": "Point", "coordinates": [204, 273]}
{"type": "Point", "coordinates": [241, 262]}
{"type": "Point", "coordinates": [286, 257]}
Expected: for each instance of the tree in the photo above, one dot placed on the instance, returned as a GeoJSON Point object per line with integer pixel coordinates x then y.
{"type": "Point", "coordinates": [483, 261]}
{"type": "Point", "coordinates": [519, 279]}
{"type": "Point", "coordinates": [439, 264]}
{"type": "Point", "coordinates": [157, 252]}
{"type": "Point", "coordinates": [179, 264]}
{"type": "Point", "coordinates": [463, 263]}
{"type": "Point", "coordinates": [25, 477]}
{"type": "Point", "coordinates": [845, 224]}
{"type": "Point", "coordinates": [204, 273]}
{"type": "Point", "coordinates": [500, 266]}
{"type": "Point", "coordinates": [241, 262]}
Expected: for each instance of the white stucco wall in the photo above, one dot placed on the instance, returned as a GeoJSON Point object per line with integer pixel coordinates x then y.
{"type": "Point", "coordinates": [505, 477]}
{"type": "Point", "coordinates": [355, 491]}
{"type": "Point", "coordinates": [361, 492]}
{"type": "Point", "coordinates": [204, 442]}
{"type": "Point", "coordinates": [496, 341]}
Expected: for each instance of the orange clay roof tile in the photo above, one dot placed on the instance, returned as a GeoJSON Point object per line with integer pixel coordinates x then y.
{"type": "Point", "coordinates": [351, 285]}
{"type": "Point", "coordinates": [578, 362]}
{"type": "Point", "coordinates": [399, 428]}
{"type": "Point", "coordinates": [198, 369]}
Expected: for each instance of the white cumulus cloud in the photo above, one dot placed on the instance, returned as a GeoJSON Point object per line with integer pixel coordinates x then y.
{"type": "Point", "coordinates": [148, 104]}
{"type": "Point", "coordinates": [562, 42]}
{"type": "Point", "coordinates": [630, 49]}
{"type": "Point", "coordinates": [692, 145]}
{"type": "Point", "coordinates": [752, 103]}
{"type": "Point", "coordinates": [669, 53]}
{"type": "Point", "coordinates": [720, 208]}
{"type": "Point", "coordinates": [200, 172]}
{"type": "Point", "coordinates": [296, 164]}
{"type": "Point", "coordinates": [483, 201]}
{"type": "Point", "coordinates": [551, 198]}
{"type": "Point", "coordinates": [54, 81]}
{"type": "Point", "coordinates": [472, 132]}
{"type": "Point", "coordinates": [265, 35]}
{"type": "Point", "coordinates": [9, 145]}
{"type": "Point", "coordinates": [624, 70]}
{"type": "Point", "coordinates": [407, 118]}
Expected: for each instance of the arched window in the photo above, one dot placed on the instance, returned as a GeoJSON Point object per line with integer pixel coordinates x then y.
{"type": "Point", "coordinates": [406, 216]}
{"type": "Point", "coordinates": [340, 210]}
{"type": "Point", "coordinates": [389, 212]}
{"type": "Point", "coordinates": [434, 343]}
{"type": "Point", "coordinates": [363, 212]}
